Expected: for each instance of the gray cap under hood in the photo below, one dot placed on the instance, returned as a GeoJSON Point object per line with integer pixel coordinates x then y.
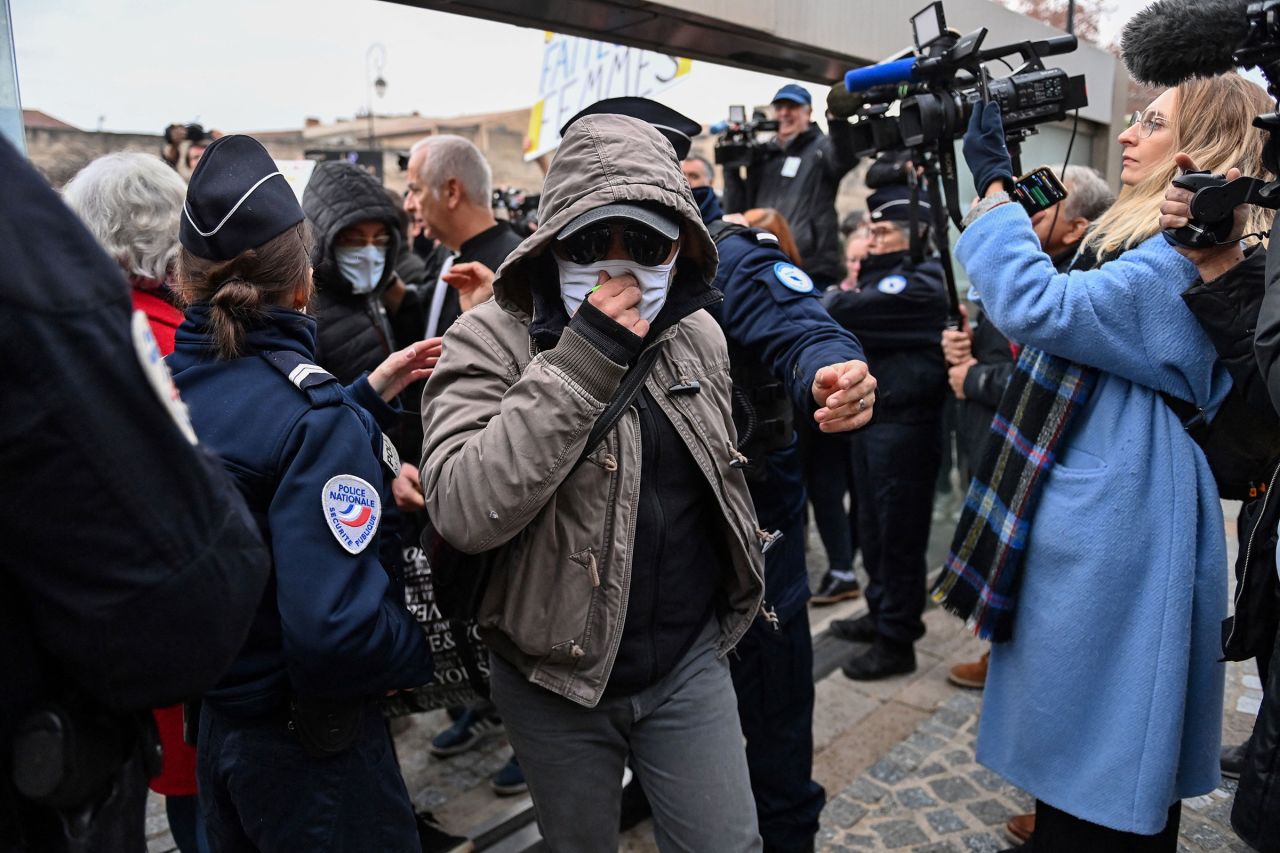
{"type": "Point", "coordinates": [604, 159]}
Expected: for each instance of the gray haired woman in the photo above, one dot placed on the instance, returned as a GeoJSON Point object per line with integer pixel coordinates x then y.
{"type": "Point", "coordinates": [132, 204]}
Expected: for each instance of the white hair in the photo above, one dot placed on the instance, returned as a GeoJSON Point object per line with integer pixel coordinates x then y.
{"type": "Point", "coordinates": [1087, 193]}
{"type": "Point", "coordinates": [458, 158]}
{"type": "Point", "coordinates": [132, 204]}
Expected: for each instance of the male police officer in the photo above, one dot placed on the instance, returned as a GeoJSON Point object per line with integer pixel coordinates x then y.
{"type": "Point", "coordinates": [785, 352]}
{"type": "Point", "coordinates": [132, 568]}
{"type": "Point", "coordinates": [898, 312]}
{"type": "Point", "coordinates": [798, 173]}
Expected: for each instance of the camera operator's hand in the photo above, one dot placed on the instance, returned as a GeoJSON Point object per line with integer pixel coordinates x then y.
{"type": "Point", "coordinates": [985, 150]}
{"type": "Point", "coordinates": [1175, 212]}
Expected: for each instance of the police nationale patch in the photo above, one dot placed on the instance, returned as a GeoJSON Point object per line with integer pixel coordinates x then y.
{"type": "Point", "coordinates": [892, 284]}
{"type": "Point", "coordinates": [352, 509]}
{"type": "Point", "coordinates": [792, 277]}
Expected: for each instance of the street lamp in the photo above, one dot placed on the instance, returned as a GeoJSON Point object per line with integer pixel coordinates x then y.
{"type": "Point", "coordinates": [374, 59]}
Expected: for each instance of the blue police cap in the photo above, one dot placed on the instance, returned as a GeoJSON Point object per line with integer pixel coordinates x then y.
{"type": "Point", "coordinates": [795, 93]}
{"type": "Point", "coordinates": [236, 200]}
{"type": "Point", "coordinates": [678, 129]}
{"type": "Point", "coordinates": [893, 204]}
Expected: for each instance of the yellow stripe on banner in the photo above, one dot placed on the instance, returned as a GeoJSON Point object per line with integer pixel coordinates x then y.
{"type": "Point", "coordinates": [535, 125]}
{"type": "Point", "coordinates": [683, 66]}
{"type": "Point", "coordinates": [547, 36]}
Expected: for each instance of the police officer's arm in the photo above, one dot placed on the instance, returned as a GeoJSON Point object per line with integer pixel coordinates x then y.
{"type": "Point", "coordinates": [378, 391]}
{"type": "Point", "coordinates": [899, 310]}
{"type": "Point", "coordinates": [770, 307]}
{"type": "Point", "coordinates": [345, 630]}
{"type": "Point", "coordinates": [132, 553]}
{"type": "Point", "coordinates": [127, 550]}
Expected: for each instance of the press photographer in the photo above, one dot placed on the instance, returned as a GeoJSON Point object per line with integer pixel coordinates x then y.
{"type": "Point", "coordinates": [798, 173]}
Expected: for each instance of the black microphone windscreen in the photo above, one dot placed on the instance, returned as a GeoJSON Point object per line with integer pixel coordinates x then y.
{"type": "Point", "coordinates": [1173, 40]}
{"type": "Point", "coordinates": [842, 103]}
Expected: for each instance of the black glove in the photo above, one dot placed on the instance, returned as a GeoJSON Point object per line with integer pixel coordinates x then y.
{"type": "Point", "coordinates": [985, 150]}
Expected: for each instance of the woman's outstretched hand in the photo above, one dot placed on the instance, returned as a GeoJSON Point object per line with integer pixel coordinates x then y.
{"type": "Point", "coordinates": [402, 368]}
{"type": "Point", "coordinates": [985, 150]}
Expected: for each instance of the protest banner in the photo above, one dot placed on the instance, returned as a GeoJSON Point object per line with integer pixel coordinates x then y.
{"type": "Point", "coordinates": [577, 72]}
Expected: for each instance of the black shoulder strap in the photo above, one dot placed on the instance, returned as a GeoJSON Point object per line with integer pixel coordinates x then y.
{"type": "Point", "coordinates": [630, 386]}
{"type": "Point", "coordinates": [720, 229]}
{"type": "Point", "coordinates": [1192, 417]}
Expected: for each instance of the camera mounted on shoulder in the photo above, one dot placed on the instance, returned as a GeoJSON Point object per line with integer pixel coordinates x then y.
{"type": "Point", "coordinates": [937, 86]}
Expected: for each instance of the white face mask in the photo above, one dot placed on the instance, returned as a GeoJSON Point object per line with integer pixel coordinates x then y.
{"type": "Point", "coordinates": [577, 280]}
{"type": "Point", "coordinates": [362, 267]}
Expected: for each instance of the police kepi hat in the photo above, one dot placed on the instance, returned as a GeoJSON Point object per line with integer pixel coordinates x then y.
{"type": "Point", "coordinates": [795, 93]}
{"type": "Point", "coordinates": [237, 199]}
{"type": "Point", "coordinates": [893, 204]}
{"type": "Point", "coordinates": [678, 129]}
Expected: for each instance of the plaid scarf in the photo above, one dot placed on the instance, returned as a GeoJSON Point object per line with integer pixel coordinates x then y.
{"type": "Point", "coordinates": [979, 581]}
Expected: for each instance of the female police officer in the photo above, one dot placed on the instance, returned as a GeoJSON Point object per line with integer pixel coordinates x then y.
{"type": "Point", "coordinates": [292, 753]}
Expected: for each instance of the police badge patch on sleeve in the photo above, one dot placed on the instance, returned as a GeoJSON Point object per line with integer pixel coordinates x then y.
{"type": "Point", "coordinates": [352, 509]}
{"type": "Point", "coordinates": [892, 284]}
{"type": "Point", "coordinates": [157, 373]}
{"type": "Point", "coordinates": [792, 277]}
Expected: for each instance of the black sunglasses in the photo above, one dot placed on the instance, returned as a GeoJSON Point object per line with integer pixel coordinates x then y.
{"type": "Point", "coordinates": [646, 247]}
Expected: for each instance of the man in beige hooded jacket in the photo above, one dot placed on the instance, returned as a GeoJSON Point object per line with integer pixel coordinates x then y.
{"type": "Point", "coordinates": [616, 596]}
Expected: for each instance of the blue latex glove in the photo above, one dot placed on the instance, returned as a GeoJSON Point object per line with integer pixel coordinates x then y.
{"type": "Point", "coordinates": [985, 150]}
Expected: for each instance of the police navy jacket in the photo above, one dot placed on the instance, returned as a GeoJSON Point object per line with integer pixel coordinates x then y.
{"type": "Point", "coordinates": [772, 310]}
{"type": "Point", "coordinates": [898, 313]}
{"type": "Point", "coordinates": [307, 458]}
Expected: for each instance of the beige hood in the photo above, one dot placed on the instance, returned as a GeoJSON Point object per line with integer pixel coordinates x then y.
{"type": "Point", "coordinates": [605, 159]}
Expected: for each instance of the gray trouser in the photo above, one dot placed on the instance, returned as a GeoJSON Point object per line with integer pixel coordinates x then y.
{"type": "Point", "coordinates": [684, 741]}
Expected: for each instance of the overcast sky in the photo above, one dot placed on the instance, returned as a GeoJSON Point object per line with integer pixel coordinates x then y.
{"type": "Point", "coordinates": [137, 65]}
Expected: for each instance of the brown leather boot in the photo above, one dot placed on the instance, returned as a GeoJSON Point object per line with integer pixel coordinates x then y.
{"type": "Point", "coordinates": [1020, 827]}
{"type": "Point", "coordinates": [970, 674]}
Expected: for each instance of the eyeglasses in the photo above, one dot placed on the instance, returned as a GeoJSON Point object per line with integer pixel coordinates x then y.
{"type": "Point", "coordinates": [1148, 123]}
{"type": "Point", "coordinates": [359, 241]}
{"type": "Point", "coordinates": [883, 231]}
{"type": "Point", "coordinates": [645, 246]}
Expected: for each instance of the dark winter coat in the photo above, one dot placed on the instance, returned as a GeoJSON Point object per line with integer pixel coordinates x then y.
{"type": "Point", "coordinates": [355, 332]}
{"type": "Point", "coordinates": [807, 199]}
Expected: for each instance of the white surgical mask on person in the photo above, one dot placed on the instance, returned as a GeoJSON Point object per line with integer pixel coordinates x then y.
{"type": "Point", "coordinates": [577, 280]}
{"type": "Point", "coordinates": [361, 266]}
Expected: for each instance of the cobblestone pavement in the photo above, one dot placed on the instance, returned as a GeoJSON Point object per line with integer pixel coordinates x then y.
{"type": "Point", "coordinates": [928, 795]}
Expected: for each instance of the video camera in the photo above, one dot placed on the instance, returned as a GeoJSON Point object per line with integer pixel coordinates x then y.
{"type": "Point", "coordinates": [738, 145]}
{"type": "Point", "coordinates": [194, 133]}
{"type": "Point", "coordinates": [937, 87]}
{"type": "Point", "coordinates": [521, 208]}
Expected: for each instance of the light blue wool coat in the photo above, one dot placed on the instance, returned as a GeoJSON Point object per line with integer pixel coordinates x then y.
{"type": "Point", "coordinates": [1107, 703]}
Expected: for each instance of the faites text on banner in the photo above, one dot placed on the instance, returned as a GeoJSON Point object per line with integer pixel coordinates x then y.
{"type": "Point", "coordinates": [577, 72]}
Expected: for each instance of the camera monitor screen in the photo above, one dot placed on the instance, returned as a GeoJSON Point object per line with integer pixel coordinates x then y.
{"type": "Point", "coordinates": [928, 24]}
{"type": "Point", "coordinates": [738, 114]}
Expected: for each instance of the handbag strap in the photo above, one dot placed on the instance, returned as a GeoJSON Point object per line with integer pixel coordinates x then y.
{"type": "Point", "coordinates": [630, 386]}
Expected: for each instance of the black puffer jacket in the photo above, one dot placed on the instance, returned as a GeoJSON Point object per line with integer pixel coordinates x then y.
{"type": "Point", "coordinates": [355, 332]}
